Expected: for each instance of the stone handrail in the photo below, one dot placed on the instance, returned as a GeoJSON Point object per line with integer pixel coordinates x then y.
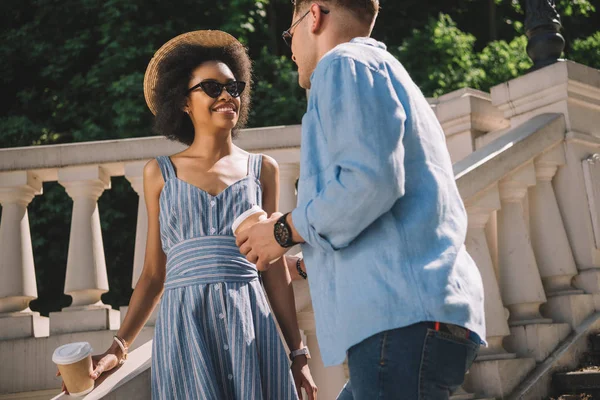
{"type": "Point", "coordinates": [138, 363]}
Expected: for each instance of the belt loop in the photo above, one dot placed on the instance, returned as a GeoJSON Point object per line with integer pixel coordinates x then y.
{"type": "Point", "coordinates": [436, 326]}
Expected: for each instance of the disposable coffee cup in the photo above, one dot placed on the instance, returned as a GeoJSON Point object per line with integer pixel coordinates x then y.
{"type": "Point", "coordinates": [248, 219]}
{"type": "Point", "coordinates": [74, 361]}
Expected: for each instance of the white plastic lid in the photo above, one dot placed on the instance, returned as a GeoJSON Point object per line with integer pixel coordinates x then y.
{"type": "Point", "coordinates": [255, 209]}
{"type": "Point", "coordinates": [71, 353]}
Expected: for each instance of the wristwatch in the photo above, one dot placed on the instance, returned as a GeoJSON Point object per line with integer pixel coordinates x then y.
{"type": "Point", "coordinates": [303, 351]}
{"type": "Point", "coordinates": [283, 233]}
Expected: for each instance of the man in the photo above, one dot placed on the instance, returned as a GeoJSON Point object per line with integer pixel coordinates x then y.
{"type": "Point", "coordinates": [379, 216]}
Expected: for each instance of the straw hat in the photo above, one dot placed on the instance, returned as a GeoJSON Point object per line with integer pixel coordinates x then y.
{"type": "Point", "coordinates": [204, 38]}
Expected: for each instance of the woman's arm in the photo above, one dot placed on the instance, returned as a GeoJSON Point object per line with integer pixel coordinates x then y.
{"type": "Point", "coordinates": [278, 285]}
{"type": "Point", "coordinates": [151, 283]}
{"type": "Point", "coordinates": [276, 280]}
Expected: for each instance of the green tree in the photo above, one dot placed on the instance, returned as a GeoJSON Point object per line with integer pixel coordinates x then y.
{"type": "Point", "coordinates": [440, 57]}
{"type": "Point", "coordinates": [587, 51]}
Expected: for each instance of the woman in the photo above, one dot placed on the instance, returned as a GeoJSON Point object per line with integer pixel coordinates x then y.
{"type": "Point", "coordinates": [215, 337]}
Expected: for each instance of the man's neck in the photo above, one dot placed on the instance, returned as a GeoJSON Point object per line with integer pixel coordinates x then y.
{"type": "Point", "coordinates": [330, 42]}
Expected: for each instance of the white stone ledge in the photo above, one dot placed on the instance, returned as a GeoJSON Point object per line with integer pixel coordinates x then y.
{"type": "Point", "coordinates": [122, 383]}
{"type": "Point", "coordinates": [26, 364]}
{"type": "Point", "coordinates": [112, 153]}
{"type": "Point", "coordinates": [486, 166]}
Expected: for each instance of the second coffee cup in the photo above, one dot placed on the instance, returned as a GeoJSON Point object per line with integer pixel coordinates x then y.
{"type": "Point", "coordinates": [74, 361]}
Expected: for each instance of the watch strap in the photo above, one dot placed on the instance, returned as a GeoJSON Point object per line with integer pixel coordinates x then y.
{"type": "Point", "coordinates": [299, 352]}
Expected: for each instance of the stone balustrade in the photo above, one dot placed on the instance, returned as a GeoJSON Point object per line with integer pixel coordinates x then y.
{"type": "Point", "coordinates": [527, 165]}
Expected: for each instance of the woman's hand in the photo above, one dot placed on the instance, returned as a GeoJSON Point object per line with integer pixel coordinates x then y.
{"type": "Point", "coordinates": [106, 361]}
{"type": "Point", "coordinates": [102, 363]}
{"type": "Point", "coordinates": [303, 378]}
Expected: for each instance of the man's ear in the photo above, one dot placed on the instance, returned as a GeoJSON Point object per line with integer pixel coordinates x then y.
{"type": "Point", "coordinates": [317, 18]}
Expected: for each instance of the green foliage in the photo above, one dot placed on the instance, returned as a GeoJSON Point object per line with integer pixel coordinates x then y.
{"type": "Point", "coordinates": [503, 61]}
{"type": "Point", "coordinates": [277, 96]}
{"type": "Point", "coordinates": [440, 58]}
{"type": "Point", "coordinates": [587, 51]}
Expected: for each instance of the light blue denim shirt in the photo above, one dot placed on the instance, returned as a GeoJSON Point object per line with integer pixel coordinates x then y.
{"type": "Point", "coordinates": [378, 206]}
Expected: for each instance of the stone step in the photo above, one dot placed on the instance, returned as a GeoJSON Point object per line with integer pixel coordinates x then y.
{"type": "Point", "coordinates": [595, 343]}
{"type": "Point", "coordinates": [578, 382]}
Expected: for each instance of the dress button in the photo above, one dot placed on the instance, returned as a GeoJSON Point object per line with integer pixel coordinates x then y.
{"type": "Point", "coordinates": [218, 286]}
{"type": "Point", "coordinates": [212, 230]}
{"type": "Point", "coordinates": [221, 315]}
{"type": "Point", "coordinates": [212, 203]}
{"type": "Point", "coordinates": [226, 347]}
{"type": "Point", "coordinates": [230, 377]}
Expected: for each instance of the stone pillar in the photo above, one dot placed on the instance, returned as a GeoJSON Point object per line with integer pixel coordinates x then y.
{"type": "Point", "coordinates": [551, 246]}
{"type": "Point", "coordinates": [520, 281]}
{"type": "Point", "coordinates": [466, 116]}
{"type": "Point", "coordinates": [86, 278]}
{"type": "Point", "coordinates": [18, 284]}
{"type": "Point", "coordinates": [589, 219]}
{"type": "Point", "coordinates": [479, 211]}
{"type": "Point", "coordinates": [134, 172]}
{"type": "Point", "coordinates": [569, 89]}
{"type": "Point", "coordinates": [329, 380]}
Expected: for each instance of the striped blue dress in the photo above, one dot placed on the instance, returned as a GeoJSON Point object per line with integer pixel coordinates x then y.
{"type": "Point", "coordinates": [215, 337]}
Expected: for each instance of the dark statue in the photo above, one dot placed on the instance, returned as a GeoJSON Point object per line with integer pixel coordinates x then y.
{"type": "Point", "coordinates": [542, 25]}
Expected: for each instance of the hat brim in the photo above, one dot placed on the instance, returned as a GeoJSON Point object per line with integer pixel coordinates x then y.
{"type": "Point", "coordinates": [204, 38]}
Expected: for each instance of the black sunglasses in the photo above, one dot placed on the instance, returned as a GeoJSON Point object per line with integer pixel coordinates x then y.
{"type": "Point", "coordinates": [214, 88]}
{"type": "Point", "coordinates": [287, 35]}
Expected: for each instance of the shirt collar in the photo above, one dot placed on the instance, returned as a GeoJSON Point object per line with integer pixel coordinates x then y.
{"type": "Point", "coordinates": [369, 42]}
{"type": "Point", "coordinates": [359, 40]}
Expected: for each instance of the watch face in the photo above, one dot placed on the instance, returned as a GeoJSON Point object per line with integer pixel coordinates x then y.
{"type": "Point", "coordinates": [282, 235]}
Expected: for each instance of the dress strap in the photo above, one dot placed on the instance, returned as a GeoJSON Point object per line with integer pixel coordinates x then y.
{"type": "Point", "coordinates": [255, 164]}
{"type": "Point", "coordinates": [166, 167]}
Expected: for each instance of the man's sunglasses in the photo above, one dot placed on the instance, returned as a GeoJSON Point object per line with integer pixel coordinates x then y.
{"type": "Point", "coordinates": [214, 88]}
{"type": "Point", "coordinates": [287, 35]}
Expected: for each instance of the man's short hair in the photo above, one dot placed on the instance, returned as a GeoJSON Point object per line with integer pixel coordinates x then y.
{"type": "Point", "coordinates": [365, 10]}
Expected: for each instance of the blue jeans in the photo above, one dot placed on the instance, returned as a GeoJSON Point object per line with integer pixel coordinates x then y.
{"type": "Point", "coordinates": [413, 363]}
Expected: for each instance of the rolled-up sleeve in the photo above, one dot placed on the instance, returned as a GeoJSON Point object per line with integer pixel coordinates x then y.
{"type": "Point", "coordinates": [363, 122]}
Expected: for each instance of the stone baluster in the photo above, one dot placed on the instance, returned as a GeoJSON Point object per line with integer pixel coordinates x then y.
{"type": "Point", "coordinates": [551, 246]}
{"type": "Point", "coordinates": [479, 211]}
{"type": "Point", "coordinates": [86, 279]}
{"type": "Point", "coordinates": [18, 284]}
{"type": "Point", "coordinates": [134, 172]}
{"type": "Point", "coordinates": [520, 281]}
{"type": "Point", "coordinates": [329, 380]}
{"type": "Point", "coordinates": [492, 372]}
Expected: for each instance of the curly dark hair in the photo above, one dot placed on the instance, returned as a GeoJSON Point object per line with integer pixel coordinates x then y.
{"type": "Point", "coordinates": [171, 90]}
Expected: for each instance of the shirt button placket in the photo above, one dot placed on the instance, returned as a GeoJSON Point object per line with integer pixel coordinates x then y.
{"type": "Point", "coordinates": [214, 218]}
